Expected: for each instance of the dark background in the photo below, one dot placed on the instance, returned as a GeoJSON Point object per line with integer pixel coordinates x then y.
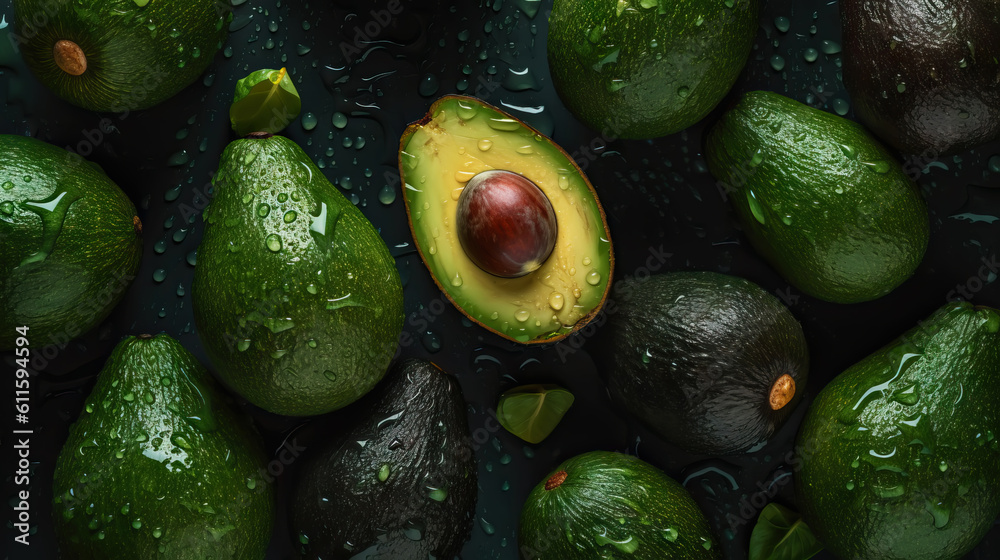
{"type": "Point", "coordinates": [657, 194]}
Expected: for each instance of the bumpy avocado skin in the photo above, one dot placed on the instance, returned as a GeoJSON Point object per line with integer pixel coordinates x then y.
{"type": "Point", "coordinates": [825, 203]}
{"type": "Point", "coordinates": [695, 356]}
{"type": "Point", "coordinates": [399, 479]}
{"type": "Point", "coordinates": [296, 297]}
{"type": "Point", "coordinates": [923, 75]}
{"type": "Point", "coordinates": [637, 69]}
{"type": "Point", "coordinates": [70, 243]}
{"type": "Point", "coordinates": [898, 454]}
{"type": "Point", "coordinates": [159, 465]}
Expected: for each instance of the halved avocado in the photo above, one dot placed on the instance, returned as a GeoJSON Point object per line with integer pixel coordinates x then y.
{"type": "Point", "coordinates": [463, 168]}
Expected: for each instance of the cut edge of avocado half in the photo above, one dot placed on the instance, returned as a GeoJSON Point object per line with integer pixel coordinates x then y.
{"type": "Point", "coordinates": [570, 286]}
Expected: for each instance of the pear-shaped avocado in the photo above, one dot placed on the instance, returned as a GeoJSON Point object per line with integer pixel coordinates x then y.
{"type": "Point", "coordinates": [609, 505]}
{"type": "Point", "coordinates": [647, 68]}
{"type": "Point", "coordinates": [159, 466]}
{"type": "Point", "coordinates": [711, 363]}
{"type": "Point", "coordinates": [819, 198]}
{"type": "Point", "coordinates": [923, 75]}
{"type": "Point", "coordinates": [296, 297]}
{"type": "Point", "coordinates": [509, 227]}
{"type": "Point", "coordinates": [398, 481]}
{"type": "Point", "coordinates": [70, 243]}
{"type": "Point", "coordinates": [119, 55]}
{"type": "Point", "coordinates": [898, 456]}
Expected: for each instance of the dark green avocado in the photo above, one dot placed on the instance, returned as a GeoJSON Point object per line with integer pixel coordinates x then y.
{"type": "Point", "coordinates": [899, 455]}
{"type": "Point", "coordinates": [827, 205]}
{"type": "Point", "coordinates": [397, 480]}
{"type": "Point", "coordinates": [924, 75]}
{"type": "Point", "coordinates": [712, 363]}
{"type": "Point", "coordinates": [159, 466]}
{"type": "Point", "coordinates": [296, 297]}
{"type": "Point", "coordinates": [609, 505]}
{"type": "Point", "coordinates": [70, 243]}
{"type": "Point", "coordinates": [119, 55]}
{"type": "Point", "coordinates": [647, 68]}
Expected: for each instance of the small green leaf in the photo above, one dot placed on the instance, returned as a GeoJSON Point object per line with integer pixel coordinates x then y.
{"type": "Point", "coordinates": [780, 534]}
{"type": "Point", "coordinates": [265, 101]}
{"type": "Point", "coordinates": [531, 412]}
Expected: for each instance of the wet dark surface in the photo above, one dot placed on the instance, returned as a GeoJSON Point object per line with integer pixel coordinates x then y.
{"type": "Point", "coordinates": [663, 208]}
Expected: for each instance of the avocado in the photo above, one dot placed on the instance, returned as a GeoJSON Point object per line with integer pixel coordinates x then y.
{"type": "Point", "coordinates": [647, 68]}
{"type": "Point", "coordinates": [819, 198]}
{"type": "Point", "coordinates": [898, 457]}
{"type": "Point", "coordinates": [295, 296]}
{"type": "Point", "coordinates": [70, 243]}
{"type": "Point", "coordinates": [119, 55]}
{"type": "Point", "coordinates": [159, 465]}
{"type": "Point", "coordinates": [923, 75]}
{"type": "Point", "coordinates": [398, 480]}
{"type": "Point", "coordinates": [609, 505]}
{"type": "Point", "coordinates": [711, 363]}
{"type": "Point", "coordinates": [509, 227]}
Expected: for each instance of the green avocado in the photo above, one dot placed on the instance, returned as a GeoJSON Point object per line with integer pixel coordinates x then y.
{"type": "Point", "coordinates": [711, 363]}
{"type": "Point", "coordinates": [898, 454]}
{"type": "Point", "coordinates": [923, 75]}
{"type": "Point", "coordinates": [70, 243]}
{"type": "Point", "coordinates": [509, 227]}
{"type": "Point", "coordinates": [159, 466]}
{"type": "Point", "coordinates": [296, 297]}
{"type": "Point", "coordinates": [819, 198]}
{"type": "Point", "coordinates": [647, 68]}
{"type": "Point", "coordinates": [119, 55]}
{"type": "Point", "coordinates": [609, 505]}
{"type": "Point", "coordinates": [397, 480]}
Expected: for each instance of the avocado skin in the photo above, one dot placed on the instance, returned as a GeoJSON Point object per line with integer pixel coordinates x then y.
{"type": "Point", "coordinates": [623, 73]}
{"type": "Point", "coordinates": [95, 254]}
{"type": "Point", "coordinates": [847, 247]}
{"type": "Point", "coordinates": [197, 497]}
{"type": "Point", "coordinates": [312, 326]}
{"type": "Point", "coordinates": [340, 498]}
{"type": "Point", "coordinates": [945, 54]}
{"type": "Point", "coordinates": [130, 66]}
{"type": "Point", "coordinates": [601, 489]}
{"type": "Point", "coordinates": [956, 372]}
{"type": "Point", "coordinates": [694, 356]}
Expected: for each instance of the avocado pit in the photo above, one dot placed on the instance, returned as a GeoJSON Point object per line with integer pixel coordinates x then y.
{"type": "Point", "coordinates": [69, 57]}
{"type": "Point", "coordinates": [505, 223]}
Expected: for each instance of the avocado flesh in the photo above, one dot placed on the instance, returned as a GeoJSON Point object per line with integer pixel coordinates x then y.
{"type": "Point", "coordinates": [825, 203]}
{"type": "Point", "coordinates": [611, 505]}
{"type": "Point", "coordinates": [696, 356]}
{"type": "Point", "coordinates": [296, 297]}
{"type": "Point", "coordinates": [399, 479]}
{"type": "Point", "coordinates": [138, 52]}
{"type": "Point", "coordinates": [900, 459]}
{"type": "Point", "coordinates": [461, 137]}
{"type": "Point", "coordinates": [647, 68]}
{"type": "Point", "coordinates": [159, 465]}
{"type": "Point", "coordinates": [71, 243]}
{"type": "Point", "coordinates": [923, 75]}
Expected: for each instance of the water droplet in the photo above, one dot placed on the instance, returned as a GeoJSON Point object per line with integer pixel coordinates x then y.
{"type": "Point", "coordinates": [755, 208]}
{"type": "Point", "coordinates": [387, 195]}
{"type": "Point", "coordinates": [522, 315]}
{"type": "Point", "coordinates": [273, 242]}
{"type": "Point", "coordinates": [438, 494]}
{"type": "Point", "coordinates": [829, 47]}
{"type": "Point", "coordinates": [810, 54]}
{"type": "Point", "coordinates": [781, 23]}
{"type": "Point", "coordinates": [159, 275]}
{"type": "Point", "coordinates": [880, 166]}
{"type": "Point", "coordinates": [556, 301]}
{"type": "Point", "coordinates": [52, 211]}
{"type": "Point", "coordinates": [263, 210]}
{"type": "Point", "coordinates": [593, 278]}
{"type": "Point", "coordinates": [670, 534]}
{"type": "Point", "coordinates": [488, 527]}
{"type": "Point", "coordinates": [683, 92]}
{"type": "Point", "coordinates": [309, 121]}
{"type": "Point", "coordinates": [383, 472]}
{"type": "Point", "coordinates": [778, 63]}
{"type": "Point", "coordinates": [485, 144]}
{"type": "Point", "coordinates": [428, 85]}
{"type": "Point", "coordinates": [290, 216]}
{"type": "Point", "coordinates": [330, 375]}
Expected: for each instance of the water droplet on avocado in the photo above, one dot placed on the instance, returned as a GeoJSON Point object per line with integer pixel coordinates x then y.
{"type": "Point", "coordinates": [7, 185]}
{"type": "Point", "coordinates": [485, 144]}
{"type": "Point", "coordinates": [330, 375]}
{"type": "Point", "coordinates": [409, 160]}
{"type": "Point", "coordinates": [940, 512]}
{"type": "Point", "coordinates": [522, 315]}
{"type": "Point", "coordinates": [383, 472]}
{"type": "Point", "coordinates": [273, 242]}
{"type": "Point", "coordinates": [7, 208]}
{"type": "Point", "coordinates": [908, 396]}
{"type": "Point", "coordinates": [683, 92]}
{"type": "Point", "coordinates": [880, 166]}
{"type": "Point", "coordinates": [52, 211]}
{"type": "Point", "coordinates": [556, 301]}
{"type": "Point", "coordinates": [670, 534]}
{"type": "Point", "coordinates": [504, 124]}
{"type": "Point", "coordinates": [593, 278]}
{"type": "Point", "coordinates": [437, 494]}
{"type": "Point", "coordinates": [755, 208]}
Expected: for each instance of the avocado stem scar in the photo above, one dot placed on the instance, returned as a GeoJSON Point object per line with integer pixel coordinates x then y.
{"type": "Point", "coordinates": [782, 392]}
{"type": "Point", "coordinates": [556, 480]}
{"type": "Point", "coordinates": [69, 57]}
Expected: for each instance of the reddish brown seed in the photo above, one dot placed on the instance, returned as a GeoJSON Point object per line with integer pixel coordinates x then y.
{"type": "Point", "coordinates": [505, 223]}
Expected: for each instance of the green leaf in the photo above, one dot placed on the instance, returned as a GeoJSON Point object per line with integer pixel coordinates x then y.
{"type": "Point", "coordinates": [531, 412]}
{"type": "Point", "coordinates": [780, 534]}
{"type": "Point", "coordinates": [265, 101]}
